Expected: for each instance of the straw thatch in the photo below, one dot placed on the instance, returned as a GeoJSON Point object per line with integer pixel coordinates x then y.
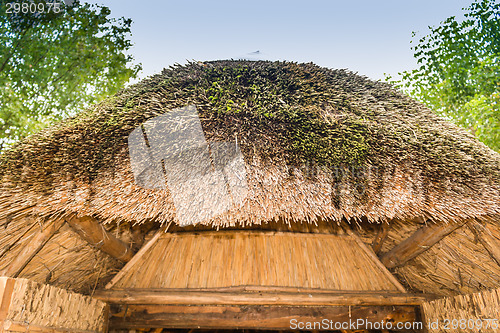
{"type": "Point", "coordinates": [35, 307]}
{"type": "Point", "coordinates": [321, 147]}
{"type": "Point", "coordinates": [479, 312]}
{"type": "Point", "coordinates": [302, 129]}
{"type": "Point", "coordinates": [65, 261]}
{"type": "Point", "coordinates": [456, 264]}
{"type": "Point", "coordinates": [227, 259]}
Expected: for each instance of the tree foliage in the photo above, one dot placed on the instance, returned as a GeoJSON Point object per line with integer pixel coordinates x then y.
{"type": "Point", "coordinates": [459, 70]}
{"type": "Point", "coordinates": [54, 64]}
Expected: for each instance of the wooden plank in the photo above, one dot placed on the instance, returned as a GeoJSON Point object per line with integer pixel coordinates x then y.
{"type": "Point", "coordinates": [137, 257]}
{"type": "Point", "coordinates": [267, 289]}
{"type": "Point", "coordinates": [32, 248]}
{"type": "Point", "coordinates": [377, 261]}
{"type": "Point", "coordinates": [379, 240]}
{"type": "Point", "coordinates": [186, 297]}
{"type": "Point", "coordinates": [256, 317]}
{"type": "Point", "coordinates": [489, 242]}
{"type": "Point", "coordinates": [250, 232]}
{"type": "Point", "coordinates": [419, 242]}
{"type": "Point", "coordinates": [94, 233]}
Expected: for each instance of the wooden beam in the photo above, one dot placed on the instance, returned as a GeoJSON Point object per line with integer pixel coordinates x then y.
{"type": "Point", "coordinates": [6, 290]}
{"type": "Point", "coordinates": [380, 238]}
{"type": "Point", "coordinates": [257, 317]}
{"type": "Point", "coordinates": [32, 247]}
{"type": "Point", "coordinates": [489, 242]}
{"type": "Point", "coordinates": [94, 233]}
{"type": "Point", "coordinates": [187, 297]}
{"type": "Point", "coordinates": [419, 242]}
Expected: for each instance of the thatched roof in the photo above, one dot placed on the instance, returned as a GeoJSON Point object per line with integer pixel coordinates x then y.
{"type": "Point", "coordinates": [317, 143]}
{"type": "Point", "coordinates": [320, 146]}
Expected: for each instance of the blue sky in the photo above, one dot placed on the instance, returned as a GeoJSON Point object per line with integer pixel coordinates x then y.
{"type": "Point", "coordinates": [368, 37]}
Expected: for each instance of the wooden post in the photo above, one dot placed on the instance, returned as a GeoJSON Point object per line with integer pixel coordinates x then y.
{"type": "Point", "coordinates": [94, 233]}
{"type": "Point", "coordinates": [419, 242]}
{"type": "Point", "coordinates": [6, 289]}
{"type": "Point", "coordinates": [32, 248]}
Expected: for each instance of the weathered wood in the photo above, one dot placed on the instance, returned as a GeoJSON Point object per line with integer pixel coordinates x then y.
{"type": "Point", "coordinates": [188, 297]}
{"type": "Point", "coordinates": [490, 243]}
{"type": "Point", "coordinates": [369, 252]}
{"type": "Point", "coordinates": [419, 242]}
{"type": "Point", "coordinates": [256, 317]}
{"type": "Point", "coordinates": [266, 289]}
{"type": "Point", "coordinates": [137, 257]}
{"type": "Point", "coordinates": [380, 238]}
{"type": "Point", "coordinates": [32, 248]}
{"type": "Point", "coordinates": [94, 233]}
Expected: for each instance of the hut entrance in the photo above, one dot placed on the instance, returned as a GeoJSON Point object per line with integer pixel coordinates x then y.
{"type": "Point", "coordinates": [253, 279]}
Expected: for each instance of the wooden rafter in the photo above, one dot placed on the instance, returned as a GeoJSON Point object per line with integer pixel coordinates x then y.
{"type": "Point", "coordinates": [380, 238]}
{"type": "Point", "coordinates": [32, 248]}
{"type": "Point", "coordinates": [419, 242]}
{"type": "Point", "coordinates": [330, 298]}
{"type": "Point", "coordinates": [94, 233]}
{"type": "Point", "coordinates": [490, 243]}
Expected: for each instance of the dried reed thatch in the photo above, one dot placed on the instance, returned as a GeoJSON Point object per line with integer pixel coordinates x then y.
{"type": "Point", "coordinates": [302, 129]}
{"type": "Point", "coordinates": [479, 312]}
{"type": "Point", "coordinates": [456, 264]}
{"type": "Point", "coordinates": [227, 259]}
{"type": "Point", "coordinates": [65, 261]}
{"type": "Point", "coordinates": [321, 147]}
{"type": "Point", "coordinates": [35, 307]}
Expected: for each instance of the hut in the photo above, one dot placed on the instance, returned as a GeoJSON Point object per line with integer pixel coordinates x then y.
{"type": "Point", "coordinates": [320, 199]}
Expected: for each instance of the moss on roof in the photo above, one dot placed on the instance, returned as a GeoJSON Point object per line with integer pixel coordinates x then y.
{"type": "Point", "coordinates": [311, 114]}
{"type": "Point", "coordinates": [302, 113]}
